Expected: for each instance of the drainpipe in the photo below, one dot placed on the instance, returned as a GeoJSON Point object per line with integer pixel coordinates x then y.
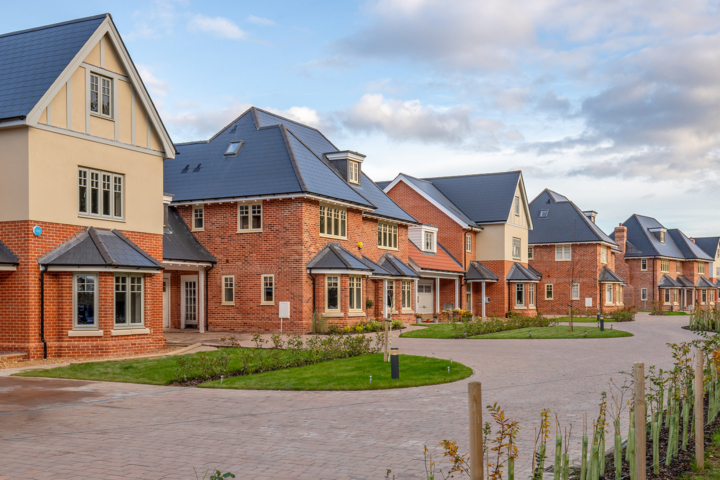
{"type": "Point", "coordinates": [207, 315]}
{"type": "Point", "coordinates": [312, 277]}
{"type": "Point", "coordinates": [42, 310]}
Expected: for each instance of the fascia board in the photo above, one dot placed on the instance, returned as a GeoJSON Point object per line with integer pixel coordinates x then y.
{"type": "Point", "coordinates": [447, 212]}
{"type": "Point", "coordinates": [526, 203]}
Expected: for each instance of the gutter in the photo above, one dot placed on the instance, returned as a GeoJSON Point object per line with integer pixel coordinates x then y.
{"type": "Point", "coordinates": [10, 119]}
{"type": "Point", "coordinates": [312, 277]}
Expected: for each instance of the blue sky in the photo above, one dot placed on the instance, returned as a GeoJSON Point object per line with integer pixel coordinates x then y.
{"type": "Point", "coordinates": [613, 104]}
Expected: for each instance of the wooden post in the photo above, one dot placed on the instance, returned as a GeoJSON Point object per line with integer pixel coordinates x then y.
{"type": "Point", "coordinates": [699, 407]}
{"type": "Point", "coordinates": [476, 434]}
{"type": "Point", "coordinates": [640, 431]}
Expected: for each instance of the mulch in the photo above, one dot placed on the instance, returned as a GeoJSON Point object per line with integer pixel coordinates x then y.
{"type": "Point", "coordinates": [686, 327]}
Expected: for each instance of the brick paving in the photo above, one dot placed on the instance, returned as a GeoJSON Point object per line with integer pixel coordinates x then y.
{"type": "Point", "coordinates": [62, 429]}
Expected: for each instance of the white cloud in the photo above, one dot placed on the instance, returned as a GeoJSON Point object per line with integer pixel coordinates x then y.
{"type": "Point", "coordinates": [155, 21]}
{"type": "Point", "coordinates": [219, 27]}
{"type": "Point", "coordinates": [156, 86]}
{"type": "Point", "coordinates": [263, 22]}
{"type": "Point", "coordinates": [304, 115]}
{"type": "Point", "coordinates": [193, 123]}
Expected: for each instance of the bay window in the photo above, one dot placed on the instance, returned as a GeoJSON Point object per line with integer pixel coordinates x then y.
{"type": "Point", "coordinates": [519, 295]}
{"type": "Point", "coordinates": [128, 300]}
{"type": "Point", "coordinates": [608, 294]}
{"type": "Point", "coordinates": [390, 295]}
{"type": "Point", "coordinates": [332, 294]}
{"type": "Point", "coordinates": [85, 301]}
{"type": "Point", "coordinates": [355, 294]}
{"type": "Point", "coordinates": [531, 294]}
{"type": "Point", "coordinates": [100, 194]}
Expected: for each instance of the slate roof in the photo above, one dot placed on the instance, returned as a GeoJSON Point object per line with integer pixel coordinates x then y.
{"type": "Point", "coordinates": [667, 282]}
{"type": "Point", "coordinates": [433, 192]}
{"type": "Point", "coordinates": [31, 60]}
{"type": "Point", "coordinates": [478, 272]}
{"type": "Point", "coordinates": [647, 244]}
{"type": "Point", "coordinates": [278, 156]}
{"type": "Point", "coordinates": [335, 257]}
{"type": "Point", "coordinates": [704, 283]}
{"type": "Point", "coordinates": [518, 273]}
{"type": "Point", "coordinates": [608, 276]}
{"type": "Point", "coordinates": [7, 257]}
{"type": "Point", "coordinates": [708, 245]}
{"type": "Point", "coordinates": [564, 223]}
{"type": "Point", "coordinates": [377, 270]}
{"type": "Point", "coordinates": [396, 267]}
{"type": "Point", "coordinates": [179, 244]}
{"type": "Point", "coordinates": [94, 247]}
{"type": "Point", "coordinates": [441, 261]}
{"type": "Point", "coordinates": [684, 282]}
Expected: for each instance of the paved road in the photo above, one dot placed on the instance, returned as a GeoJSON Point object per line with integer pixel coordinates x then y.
{"type": "Point", "coordinates": [58, 429]}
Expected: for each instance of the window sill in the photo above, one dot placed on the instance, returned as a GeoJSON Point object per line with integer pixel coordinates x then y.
{"type": "Point", "coordinates": [333, 314]}
{"type": "Point", "coordinates": [230, 304]}
{"type": "Point", "coordinates": [198, 230]}
{"type": "Point", "coordinates": [564, 260]}
{"type": "Point", "coordinates": [265, 303]}
{"type": "Point", "coordinates": [100, 217]}
{"type": "Point", "coordinates": [130, 331]}
{"type": "Point", "coordinates": [388, 248]}
{"type": "Point", "coordinates": [251, 230]}
{"type": "Point", "coordinates": [356, 314]}
{"type": "Point", "coordinates": [520, 307]}
{"type": "Point", "coordinates": [85, 333]}
{"type": "Point", "coordinates": [104, 117]}
{"type": "Point", "coordinates": [325, 235]}
{"type": "Point", "coordinates": [408, 310]}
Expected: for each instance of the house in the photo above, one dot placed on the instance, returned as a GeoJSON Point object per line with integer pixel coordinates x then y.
{"type": "Point", "coordinates": [711, 246]}
{"type": "Point", "coordinates": [295, 227]}
{"type": "Point", "coordinates": [574, 256]}
{"type": "Point", "coordinates": [471, 245]}
{"type": "Point", "coordinates": [664, 268]}
{"type": "Point", "coordinates": [81, 229]}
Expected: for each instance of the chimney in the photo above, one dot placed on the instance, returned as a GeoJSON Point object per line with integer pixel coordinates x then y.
{"type": "Point", "coordinates": [621, 237]}
{"type": "Point", "coordinates": [692, 239]}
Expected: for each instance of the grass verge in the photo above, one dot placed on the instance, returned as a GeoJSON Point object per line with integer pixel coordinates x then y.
{"type": "Point", "coordinates": [560, 331]}
{"type": "Point", "coordinates": [351, 374]}
{"type": "Point", "coordinates": [582, 319]}
{"type": "Point", "coordinates": [712, 462]}
{"type": "Point", "coordinates": [436, 330]}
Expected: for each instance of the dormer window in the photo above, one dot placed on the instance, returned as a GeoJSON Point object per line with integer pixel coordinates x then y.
{"type": "Point", "coordinates": [543, 213]}
{"type": "Point", "coordinates": [424, 237]}
{"type": "Point", "coordinates": [354, 172]}
{"type": "Point", "coordinates": [429, 241]}
{"type": "Point", "coordinates": [662, 236]}
{"type": "Point", "coordinates": [233, 148]}
{"type": "Point", "coordinates": [100, 95]}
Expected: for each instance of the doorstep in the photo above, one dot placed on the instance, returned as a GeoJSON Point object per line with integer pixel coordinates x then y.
{"type": "Point", "coordinates": [12, 356]}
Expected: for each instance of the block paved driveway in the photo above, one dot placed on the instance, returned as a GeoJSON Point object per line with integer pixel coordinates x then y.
{"type": "Point", "coordinates": [62, 429]}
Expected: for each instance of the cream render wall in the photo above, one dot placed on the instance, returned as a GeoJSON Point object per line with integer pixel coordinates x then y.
{"type": "Point", "coordinates": [520, 220]}
{"type": "Point", "coordinates": [52, 181]}
{"type": "Point", "coordinates": [495, 243]}
{"type": "Point", "coordinates": [14, 175]}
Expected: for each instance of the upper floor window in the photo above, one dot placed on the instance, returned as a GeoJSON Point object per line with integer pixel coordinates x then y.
{"type": "Point", "coordinates": [250, 218]}
{"type": "Point", "coordinates": [563, 252]}
{"type": "Point", "coordinates": [468, 243]}
{"type": "Point", "coordinates": [717, 254]}
{"type": "Point", "coordinates": [387, 235]}
{"type": "Point", "coordinates": [603, 254]}
{"type": "Point", "coordinates": [516, 248]}
{"type": "Point", "coordinates": [333, 222]}
{"type": "Point", "coordinates": [354, 172]}
{"type": "Point", "coordinates": [233, 148]}
{"type": "Point", "coordinates": [199, 218]}
{"type": "Point", "coordinates": [701, 268]}
{"type": "Point", "coordinates": [543, 213]}
{"type": "Point", "coordinates": [664, 265]}
{"type": "Point", "coordinates": [100, 193]}
{"type": "Point", "coordinates": [429, 241]}
{"type": "Point", "coordinates": [678, 267]}
{"type": "Point", "coordinates": [643, 264]}
{"type": "Point", "coordinates": [101, 95]}
{"type": "Point", "coordinates": [517, 206]}
{"type": "Point", "coordinates": [531, 253]}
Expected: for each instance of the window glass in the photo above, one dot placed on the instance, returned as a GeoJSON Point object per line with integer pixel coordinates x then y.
{"type": "Point", "coordinates": [82, 183]}
{"type": "Point", "coordinates": [391, 294]}
{"type": "Point", "coordinates": [232, 148]}
{"type": "Point", "coordinates": [198, 218]}
{"type": "Point", "coordinates": [429, 241]}
{"type": "Point", "coordinates": [102, 196]}
{"type": "Point", "coordinates": [519, 294]}
{"type": "Point", "coordinates": [531, 294]}
{"type": "Point", "coordinates": [106, 201]}
{"type": "Point", "coordinates": [136, 287]}
{"type": "Point", "coordinates": [355, 293]}
{"type": "Point", "coordinates": [576, 291]}
{"type": "Point", "coordinates": [662, 237]}
{"type": "Point", "coordinates": [117, 201]}
{"type": "Point", "coordinates": [269, 289]}
{"type": "Point", "coordinates": [250, 217]}
{"type": "Point", "coordinates": [354, 172]}
{"type": "Point", "coordinates": [94, 94]}
{"type": "Point", "coordinates": [563, 252]}
{"type": "Point", "coordinates": [121, 301]}
{"type": "Point", "coordinates": [603, 254]}
{"type": "Point", "coordinates": [643, 294]}
{"type": "Point", "coordinates": [128, 300]}
{"type": "Point", "coordinates": [101, 95]}
{"type": "Point", "coordinates": [517, 205]}
{"type": "Point", "coordinates": [531, 253]}
{"type": "Point", "coordinates": [516, 248]}
{"type": "Point", "coordinates": [468, 243]}
{"type": "Point", "coordinates": [664, 265]}
{"type": "Point", "coordinates": [333, 221]}
{"type": "Point", "coordinates": [228, 289]}
{"type": "Point", "coordinates": [406, 294]}
{"type": "Point", "coordinates": [106, 96]}
{"type": "Point", "coordinates": [85, 286]}
{"type": "Point", "coordinates": [387, 235]}
{"type": "Point", "coordinates": [701, 268]}
{"type": "Point", "coordinates": [704, 296]}
{"type": "Point", "coordinates": [543, 213]}
{"type": "Point", "coordinates": [549, 292]}
{"type": "Point", "coordinates": [667, 295]}
{"type": "Point", "coordinates": [333, 297]}
{"type": "Point", "coordinates": [609, 293]}
{"type": "Point", "coordinates": [94, 193]}
{"type": "Point", "coordinates": [643, 264]}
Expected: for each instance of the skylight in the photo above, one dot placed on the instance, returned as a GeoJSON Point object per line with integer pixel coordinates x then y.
{"type": "Point", "coordinates": [233, 148]}
{"type": "Point", "coordinates": [543, 213]}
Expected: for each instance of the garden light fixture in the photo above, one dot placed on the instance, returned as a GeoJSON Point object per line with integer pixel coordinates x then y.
{"type": "Point", "coordinates": [394, 364]}
{"type": "Point", "coordinates": [370, 380]}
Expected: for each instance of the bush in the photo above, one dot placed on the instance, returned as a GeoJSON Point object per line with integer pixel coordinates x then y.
{"type": "Point", "coordinates": [333, 329]}
{"type": "Point", "coordinates": [347, 329]}
{"type": "Point", "coordinates": [359, 328]}
{"type": "Point", "coordinates": [319, 323]}
{"type": "Point", "coordinates": [369, 303]}
{"type": "Point", "coordinates": [468, 328]}
{"type": "Point", "coordinates": [373, 326]}
{"type": "Point", "coordinates": [657, 308]}
{"type": "Point", "coordinates": [397, 324]}
{"type": "Point", "coordinates": [624, 315]}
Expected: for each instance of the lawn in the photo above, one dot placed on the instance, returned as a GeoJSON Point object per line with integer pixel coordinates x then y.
{"type": "Point", "coordinates": [712, 462]}
{"type": "Point", "coordinates": [351, 374]}
{"type": "Point", "coordinates": [582, 319]}
{"type": "Point", "coordinates": [555, 332]}
{"type": "Point", "coordinates": [437, 330]}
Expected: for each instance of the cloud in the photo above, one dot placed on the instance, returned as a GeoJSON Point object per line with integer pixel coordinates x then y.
{"type": "Point", "coordinates": [219, 27]}
{"type": "Point", "coordinates": [263, 22]}
{"type": "Point", "coordinates": [193, 123]}
{"type": "Point", "coordinates": [155, 21]}
{"type": "Point", "coordinates": [304, 115]}
{"type": "Point", "coordinates": [156, 86]}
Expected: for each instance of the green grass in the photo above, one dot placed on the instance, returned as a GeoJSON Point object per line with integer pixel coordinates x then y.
{"type": "Point", "coordinates": [437, 330]}
{"type": "Point", "coordinates": [712, 462]}
{"type": "Point", "coordinates": [582, 319]}
{"type": "Point", "coordinates": [351, 374]}
{"type": "Point", "coordinates": [555, 332]}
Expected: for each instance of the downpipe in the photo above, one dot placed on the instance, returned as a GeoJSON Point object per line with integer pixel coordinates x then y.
{"type": "Point", "coordinates": [42, 311]}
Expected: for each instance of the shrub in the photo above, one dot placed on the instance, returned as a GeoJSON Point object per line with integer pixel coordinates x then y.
{"type": "Point", "coordinates": [359, 328]}
{"type": "Point", "coordinates": [333, 329]}
{"type": "Point", "coordinates": [657, 308]}
{"type": "Point", "coordinates": [319, 323]}
{"type": "Point", "coordinates": [369, 303]}
{"type": "Point", "coordinates": [373, 326]}
{"type": "Point", "coordinates": [348, 329]}
{"type": "Point", "coordinates": [624, 315]}
{"type": "Point", "coordinates": [397, 324]}
{"type": "Point", "coordinates": [468, 327]}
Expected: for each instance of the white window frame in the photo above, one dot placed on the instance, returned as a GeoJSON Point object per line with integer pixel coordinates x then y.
{"type": "Point", "coordinates": [326, 226]}
{"type": "Point", "coordinates": [100, 92]}
{"type": "Point", "coordinates": [429, 242]}
{"type": "Point", "coordinates": [667, 296]}
{"type": "Point", "coordinates": [551, 290]}
{"type": "Point", "coordinates": [355, 294]}
{"type": "Point", "coordinates": [468, 297]}
{"type": "Point", "coordinates": [619, 292]}
{"type": "Point", "coordinates": [603, 254]}
{"type": "Point", "coordinates": [96, 326]}
{"type": "Point", "coordinates": [198, 214]}
{"type": "Point", "coordinates": [387, 236]}
{"type": "Point", "coordinates": [354, 172]}
{"type": "Point", "coordinates": [609, 294]}
{"type": "Point", "coordinates": [338, 279]}
{"type": "Point", "coordinates": [662, 236]}
{"type": "Point", "coordinates": [664, 265]}
{"type": "Point", "coordinates": [531, 294]}
{"type": "Point", "coordinates": [516, 248]}
{"type": "Point", "coordinates": [391, 298]}
{"type": "Point", "coordinates": [703, 297]}
{"type": "Point", "coordinates": [468, 243]}
{"type": "Point", "coordinates": [519, 288]}
{"type": "Point", "coordinates": [675, 296]}
{"type": "Point", "coordinates": [128, 300]}
{"type": "Point", "coordinates": [228, 283]}
{"type": "Point", "coordinates": [643, 264]}
{"type": "Point", "coordinates": [262, 289]}
{"type": "Point", "coordinates": [701, 268]}
{"type": "Point", "coordinates": [563, 253]}
{"type": "Point", "coordinates": [517, 206]}
{"type": "Point", "coordinates": [233, 148]}
{"type": "Point", "coordinates": [643, 294]}
{"type": "Point", "coordinates": [531, 253]}
{"type": "Point", "coordinates": [252, 211]}
{"type": "Point", "coordinates": [573, 294]}
{"type": "Point", "coordinates": [116, 182]}
{"type": "Point", "coordinates": [406, 297]}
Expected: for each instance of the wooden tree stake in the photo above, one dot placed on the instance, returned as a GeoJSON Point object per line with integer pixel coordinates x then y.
{"type": "Point", "coordinates": [476, 434]}
{"type": "Point", "coordinates": [699, 407]}
{"type": "Point", "coordinates": [640, 431]}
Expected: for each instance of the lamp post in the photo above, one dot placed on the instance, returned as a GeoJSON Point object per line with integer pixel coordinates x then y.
{"type": "Point", "coordinates": [394, 364]}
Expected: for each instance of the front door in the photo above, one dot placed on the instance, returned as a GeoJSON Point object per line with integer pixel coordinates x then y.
{"type": "Point", "coordinates": [425, 298]}
{"type": "Point", "coordinates": [189, 301]}
{"type": "Point", "coordinates": [166, 303]}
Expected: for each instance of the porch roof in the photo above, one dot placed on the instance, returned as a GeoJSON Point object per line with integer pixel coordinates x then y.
{"type": "Point", "coordinates": [396, 267]}
{"type": "Point", "coordinates": [7, 257]}
{"type": "Point", "coordinates": [441, 261]}
{"type": "Point", "coordinates": [477, 272]}
{"type": "Point", "coordinates": [520, 274]}
{"type": "Point", "coordinates": [684, 282]}
{"type": "Point", "coordinates": [179, 244]}
{"type": "Point", "coordinates": [377, 270]}
{"type": "Point", "coordinates": [608, 276]}
{"type": "Point", "coordinates": [704, 283]}
{"type": "Point", "coordinates": [667, 282]}
{"type": "Point", "coordinates": [335, 257]}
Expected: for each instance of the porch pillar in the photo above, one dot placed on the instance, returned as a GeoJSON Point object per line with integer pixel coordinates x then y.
{"type": "Point", "coordinates": [201, 300]}
{"type": "Point", "coordinates": [457, 288]}
{"type": "Point", "coordinates": [437, 295]}
{"type": "Point", "coordinates": [483, 299]}
{"type": "Point", "coordinates": [415, 303]}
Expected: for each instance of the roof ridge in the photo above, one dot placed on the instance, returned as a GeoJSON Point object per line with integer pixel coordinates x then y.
{"type": "Point", "coordinates": [293, 159]}
{"type": "Point", "coordinates": [386, 195]}
{"type": "Point", "coordinates": [228, 125]}
{"type": "Point", "coordinates": [104, 253]}
{"type": "Point", "coordinates": [297, 123]}
{"type": "Point", "coordinates": [472, 175]}
{"type": "Point", "coordinates": [68, 22]}
{"type": "Point", "coordinates": [192, 142]}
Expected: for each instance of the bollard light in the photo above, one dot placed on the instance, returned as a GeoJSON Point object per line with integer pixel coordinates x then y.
{"type": "Point", "coordinates": [221, 379]}
{"type": "Point", "coordinates": [586, 333]}
{"type": "Point", "coordinates": [529, 333]}
{"type": "Point", "coordinates": [448, 369]}
{"type": "Point", "coordinates": [370, 380]}
{"type": "Point", "coordinates": [394, 364]}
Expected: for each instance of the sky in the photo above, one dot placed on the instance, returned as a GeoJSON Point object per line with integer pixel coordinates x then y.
{"type": "Point", "coordinates": [614, 104]}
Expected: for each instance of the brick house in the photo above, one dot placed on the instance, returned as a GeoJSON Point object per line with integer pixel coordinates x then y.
{"type": "Point", "coordinates": [711, 246]}
{"type": "Point", "coordinates": [295, 227]}
{"type": "Point", "coordinates": [81, 156]}
{"type": "Point", "coordinates": [481, 222]}
{"type": "Point", "coordinates": [662, 265]}
{"type": "Point", "coordinates": [574, 256]}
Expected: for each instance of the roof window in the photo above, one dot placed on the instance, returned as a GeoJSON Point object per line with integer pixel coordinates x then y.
{"type": "Point", "coordinates": [543, 213]}
{"type": "Point", "coordinates": [185, 170]}
{"type": "Point", "coordinates": [233, 148]}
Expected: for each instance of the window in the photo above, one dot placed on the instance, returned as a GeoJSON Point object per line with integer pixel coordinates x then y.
{"type": "Point", "coordinates": [563, 252]}
{"type": "Point", "coordinates": [390, 295]}
{"type": "Point", "coordinates": [333, 222]}
{"type": "Point", "coordinates": [608, 294]}
{"type": "Point", "coordinates": [664, 265]}
{"type": "Point", "coordinates": [250, 218]}
{"type": "Point", "coordinates": [233, 148]}
{"type": "Point", "coordinates": [643, 294]}
{"type": "Point", "coordinates": [85, 299]}
{"type": "Point", "coordinates": [576, 291]}
{"type": "Point", "coordinates": [543, 213]}
{"type": "Point", "coordinates": [619, 294]}
{"type": "Point", "coordinates": [704, 296]}
{"type": "Point", "coordinates": [429, 242]}
{"type": "Point", "coordinates": [468, 297]}
{"type": "Point", "coordinates": [701, 268]}
{"type": "Point", "coordinates": [531, 253]}
{"type": "Point", "coordinates": [517, 206]}
{"type": "Point", "coordinates": [468, 243]}
{"type": "Point", "coordinates": [678, 267]}
{"type": "Point", "coordinates": [228, 282]}
{"type": "Point", "coordinates": [675, 296]}
{"type": "Point", "coordinates": [387, 235]}
{"type": "Point", "coordinates": [516, 248]}
{"type": "Point", "coordinates": [102, 197]}
{"type": "Point", "coordinates": [100, 95]}
{"type": "Point", "coordinates": [667, 296]}
{"type": "Point", "coordinates": [662, 236]}
{"type": "Point", "coordinates": [354, 172]}
{"type": "Point", "coordinates": [643, 264]}
{"type": "Point", "coordinates": [199, 218]}
{"type": "Point", "coordinates": [128, 300]}
{"type": "Point", "coordinates": [406, 294]}
{"type": "Point", "coordinates": [268, 290]}
{"type": "Point", "coordinates": [717, 272]}
{"type": "Point", "coordinates": [332, 294]}
{"type": "Point", "coordinates": [531, 294]}
{"type": "Point", "coordinates": [711, 296]}
{"type": "Point", "coordinates": [603, 254]}
{"type": "Point", "coordinates": [355, 294]}
{"type": "Point", "coordinates": [548, 291]}
{"type": "Point", "coordinates": [519, 294]}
